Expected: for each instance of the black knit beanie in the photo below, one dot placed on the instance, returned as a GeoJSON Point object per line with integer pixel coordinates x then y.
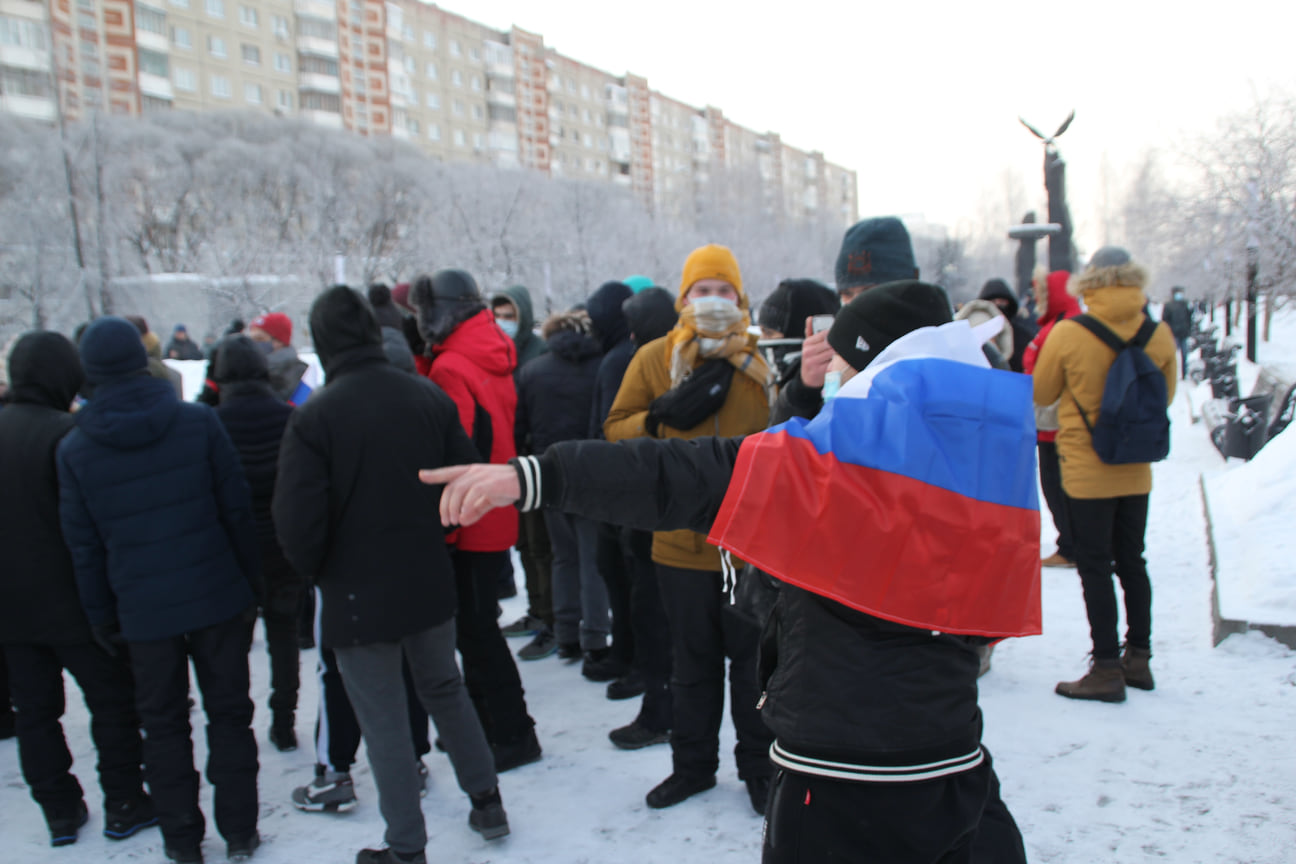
{"type": "Point", "coordinates": [111, 348]}
{"type": "Point", "coordinates": [881, 315]}
{"type": "Point", "coordinates": [875, 251]}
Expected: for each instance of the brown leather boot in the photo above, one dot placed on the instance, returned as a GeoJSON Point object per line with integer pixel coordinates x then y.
{"type": "Point", "coordinates": [1104, 683]}
{"type": "Point", "coordinates": [1134, 663]}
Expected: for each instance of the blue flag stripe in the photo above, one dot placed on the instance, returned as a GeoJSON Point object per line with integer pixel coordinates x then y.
{"type": "Point", "coordinates": [963, 428]}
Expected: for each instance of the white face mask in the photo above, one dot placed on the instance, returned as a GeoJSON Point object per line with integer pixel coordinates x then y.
{"type": "Point", "coordinates": [510, 328]}
{"type": "Point", "coordinates": [832, 384]}
{"type": "Point", "coordinates": [715, 314]}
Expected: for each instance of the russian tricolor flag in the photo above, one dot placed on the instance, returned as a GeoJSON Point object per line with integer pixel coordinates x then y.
{"type": "Point", "coordinates": [911, 497]}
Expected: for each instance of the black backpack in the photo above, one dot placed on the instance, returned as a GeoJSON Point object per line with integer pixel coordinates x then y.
{"type": "Point", "coordinates": [1133, 425]}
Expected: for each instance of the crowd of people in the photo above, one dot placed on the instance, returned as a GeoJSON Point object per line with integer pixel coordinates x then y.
{"type": "Point", "coordinates": [808, 515]}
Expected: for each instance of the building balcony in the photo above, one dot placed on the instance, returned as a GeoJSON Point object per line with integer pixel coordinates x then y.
{"type": "Point", "coordinates": [322, 118]}
{"type": "Point", "coordinates": [31, 107]}
{"type": "Point", "coordinates": [499, 97]}
{"type": "Point", "coordinates": [26, 58]}
{"type": "Point", "coordinates": [316, 9]}
{"type": "Point", "coordinates": [156, 86]}
{"type": "Point", "coordinates": [315, 83]}
{"type": "Point", "coordinates": [152, 42]}
{"type": "Point", "coordinates": [316, 47]}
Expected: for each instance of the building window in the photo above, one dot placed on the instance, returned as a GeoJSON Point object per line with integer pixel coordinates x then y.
{"type": "Point", "coordinates": [220, 87]}
{"type": "Point", "coordinates": [456, 78]}
{"type": "Point", "coordinates": [476, 82]}
{"type": "Point", "coordinates": [252, 94]}
{"type": "Point", "coordinates": [585, 91]}
{"type": "Point", "coordinates": [153, 63]}
{"type": "Point", "coordinates": [317, 29]}
{"type": "Point", "coordinates": [87, 20]}
{"type": "Point", "coordinates": [458, 108]}
{"type": "Point", "coordinates": [321, 102]}
{"type": "Point", "coordinates": [407, 33]}
{"type": "Point", "coordinates": [283, 63]}
{"type": "Point", "coordinates": [318, 65]}
{"type": "Point", "coordinates": [150, 104]}
{"type": "Point", "coordinates": [251, 55]}
{"type": "Point", "coordinates": [184, 79]}
{"type": "Point", "coordinates": [216, 46]}
{"type": "Point", "coordinates": [411, 65]}
{"type": "Point", "coordinates": [429, 41]}
{"type": "Point", "coordinates": [434, 132]}
{"type": "Point", "coordinates": [479, 141]}
{"type": "Point", "coordinates": [454, 52]}
{"type": "Point", "coordinates": [434, 101]}
{"type": "Point", "coordinates": [215, 8]}
{"type": "Point", "coordinates": [478, 113]}
{"type": "Point", "coordinates": [180, 37]}
{"type": "Point", "coordinates": [20, 33]}
{"type": "Point", "coordinates": [589, 140]}
{"type": "Point", "coordinates": [430, 72]}
{"type": "Point", "coordinates": [279, 25]}
{"type": "Point", "coordinates": [248, 16]}
{"type": "Point", "coordinates": [459, 139]}
{"type": "Point", "coordinates": [150, 20]}
{"type": "Point", "coordinates": [285, 100]}
{"type": "Point", "coordinates": [412, 126]}
{"type": "Point", "coordinates": [180, 4]}
{"type": "Point", "coordinates": [475, 54]}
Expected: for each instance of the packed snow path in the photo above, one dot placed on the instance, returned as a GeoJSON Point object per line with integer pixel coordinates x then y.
{"type": "Point", "coordinates": [1201, 770]}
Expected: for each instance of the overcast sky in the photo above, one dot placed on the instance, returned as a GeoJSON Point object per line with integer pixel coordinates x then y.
{"type": "Point", "coordinates": [922, 98]}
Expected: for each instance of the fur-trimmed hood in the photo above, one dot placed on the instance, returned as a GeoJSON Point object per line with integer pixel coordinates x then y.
{"type": "Point", "coordinates": [1131, 274]}
{"type": "Point", "coordinates": [570, 335]}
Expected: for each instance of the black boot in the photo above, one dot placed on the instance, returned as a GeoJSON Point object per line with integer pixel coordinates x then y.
{"type": "Point", "coordinates": [488, 817]}
{"type": "Point", "coordinates": [124, 819]}
{"type": "Point", "coordinates": [678, 787]}
{"type": "Point", "coordinates": [64, 826]}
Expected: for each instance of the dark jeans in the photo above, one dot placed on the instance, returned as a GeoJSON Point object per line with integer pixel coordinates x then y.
{"type": "Point", "coordinates": [337, 732]}
{"type": "Point", "coordinates": [537, 563]}
{"type": "Point", "coordinates": [1107, 531]}
{"type": "Point", "coordinates": [1183, 356]}
{"type": "Point", "coordinates": [651, 633]}
{"type": "Point", "coordinates": [36, 682]}
{"type": "Point", "coordinates": [1058, 503]}
{"type": "Point", "coordinates": [613, 563]}
{"type": "Point", "coordinates": [220, 661]}
{"type": "Point", "coordinates": [489, 670]}
{"type": "Point", "coordinates": [958, 819]}
{"type": "Point", "coordinates": [285, 662]}
{"type": "Point", "coordinates": [703, 634]}
{"type": "Point", "coordinates": [579, 592]}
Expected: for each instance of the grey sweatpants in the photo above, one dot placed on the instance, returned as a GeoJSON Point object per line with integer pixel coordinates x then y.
{"type": "Point", "coordinates": [372, 676]}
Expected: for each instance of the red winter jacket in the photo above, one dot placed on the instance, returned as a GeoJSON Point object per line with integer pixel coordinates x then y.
{"type": "Point", "coordinates": [474, 366]}
{"type": "Point", "coordinates": [1060, 305]}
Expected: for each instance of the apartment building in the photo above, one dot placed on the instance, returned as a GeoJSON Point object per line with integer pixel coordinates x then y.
{"type": "Point", "coordinates": [457, 89]}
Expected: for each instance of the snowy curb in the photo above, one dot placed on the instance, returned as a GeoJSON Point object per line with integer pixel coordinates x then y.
{"type": "Point", "coordinates": [1222, 627]}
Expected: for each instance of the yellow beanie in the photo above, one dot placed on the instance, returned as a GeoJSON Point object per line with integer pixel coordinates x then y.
{"type": "Point", "coordinates": [711, 262]}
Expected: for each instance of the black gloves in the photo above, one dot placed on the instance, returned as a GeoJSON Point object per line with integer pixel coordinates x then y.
{"type": "Point", "coordinates": [695, 399]}
{"type": "Point", "coordinates": [109, 638]}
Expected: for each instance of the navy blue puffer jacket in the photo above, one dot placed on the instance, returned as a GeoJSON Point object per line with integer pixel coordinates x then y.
{"type": "Point", "coordinates": [156, 512]}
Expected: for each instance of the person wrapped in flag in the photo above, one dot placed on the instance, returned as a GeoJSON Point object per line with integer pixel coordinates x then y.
{"type": "Point", "coordinates": [903, 522]}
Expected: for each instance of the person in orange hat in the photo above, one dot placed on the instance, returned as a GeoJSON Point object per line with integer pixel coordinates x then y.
{"type": "Point", "coordinates": [273, 331]}
{"type": "Point", "coordinates": [704, 377]}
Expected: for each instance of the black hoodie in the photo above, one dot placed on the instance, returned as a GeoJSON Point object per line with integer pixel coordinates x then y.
{"type": "Point", "coordinates": [349, 510]}
{"type": "Point", "coordinates": [39, 604]}
{"type": "Point", "coordinates": [606, 312]}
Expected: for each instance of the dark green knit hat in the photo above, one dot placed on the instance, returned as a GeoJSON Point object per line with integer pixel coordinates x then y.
{"type": "Point", "coordinates": [881, 315]}
{"type": "Point", "coordinates": [875, 251]}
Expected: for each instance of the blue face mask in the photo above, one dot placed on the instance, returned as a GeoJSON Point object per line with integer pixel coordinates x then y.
{"type": "Point", "coordinates": [832, 384]}
{"type": "Point", "coordinates": [510, 328]}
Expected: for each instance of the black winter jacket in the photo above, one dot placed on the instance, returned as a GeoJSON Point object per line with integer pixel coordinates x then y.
{"type": "Point", "coordinates": [255, 419]}
{"type": "Point", "coordinates": [877, 700]}
{"type": "Point", "coordinates": [156, 512]}
{"type": "Point", "coordinates": [556, 391]}
{"type": "Point", "coordinates": [350, 512]}
{"type": "Point", "coordinates": [38, 594]}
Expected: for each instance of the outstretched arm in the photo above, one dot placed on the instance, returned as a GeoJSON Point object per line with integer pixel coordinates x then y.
{"type": "Point", "coordinates": [652, 485]}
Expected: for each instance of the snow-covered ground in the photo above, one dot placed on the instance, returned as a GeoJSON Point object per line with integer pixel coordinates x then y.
{"type": "Point", "coordinates": [1203, 769]}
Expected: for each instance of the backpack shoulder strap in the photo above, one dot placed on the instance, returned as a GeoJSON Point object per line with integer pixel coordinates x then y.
{"type": "Point", "coordinates": [1144, 334]}
{"type": "Point", "coordinates": [1103, 332]}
